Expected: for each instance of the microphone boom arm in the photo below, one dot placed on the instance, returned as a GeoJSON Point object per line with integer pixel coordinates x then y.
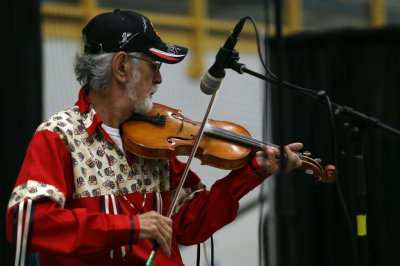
{"type": "Point", "coordinates": [317, 96]}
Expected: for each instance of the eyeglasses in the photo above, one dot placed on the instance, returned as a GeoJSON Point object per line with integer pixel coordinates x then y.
{"type": "Point", "coordinates": [156, 64]}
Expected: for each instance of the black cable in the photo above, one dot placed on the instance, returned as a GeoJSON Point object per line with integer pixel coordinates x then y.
{"type": "Point", "coordinates": [338, 188]}
{"type": "Point", "coordinates": [260, 219]}
{"type": "Point", "coordinates": [198, 255]}
{"type": "Point", "coordinates": [269, 72]}
{"type": "Point", "coordinates": [261, 240]}
{"type": "Point", "coordinates": [212, 251]}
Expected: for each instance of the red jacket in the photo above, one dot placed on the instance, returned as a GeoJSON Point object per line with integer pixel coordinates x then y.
{"type": "Point", "coordinates": [86, 194]}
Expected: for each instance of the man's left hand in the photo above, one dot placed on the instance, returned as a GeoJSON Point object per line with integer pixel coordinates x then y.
{"type": "Point", "coordinates": [269, 158]}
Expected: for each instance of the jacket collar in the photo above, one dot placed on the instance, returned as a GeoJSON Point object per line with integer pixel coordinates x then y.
{"type": "Point", "coordinates": [90, 118]}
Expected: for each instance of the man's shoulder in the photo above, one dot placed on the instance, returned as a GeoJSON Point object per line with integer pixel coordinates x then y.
{"type": "Point", "coordinates": [65, 120]}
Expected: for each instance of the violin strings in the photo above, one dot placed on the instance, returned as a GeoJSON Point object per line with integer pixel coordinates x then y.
{"type": "Point", "coordinates": [236, 137]}
{"type": "Point", "coordinates": [220, 132]}
{"type": "Point", "coordinates": [248, 141]}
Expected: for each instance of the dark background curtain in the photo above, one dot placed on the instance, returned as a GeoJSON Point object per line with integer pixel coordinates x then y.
{"type": "Point", "coordinates": [360, 69]}
{"type": "Point", "coordinates": [21, 97]}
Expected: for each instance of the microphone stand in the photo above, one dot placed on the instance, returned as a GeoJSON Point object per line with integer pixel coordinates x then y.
{"type": "Point", "coordinates": [355, 123]}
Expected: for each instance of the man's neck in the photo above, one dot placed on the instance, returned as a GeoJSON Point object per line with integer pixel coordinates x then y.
{"type": "Point", "coordinates": [110, 107]}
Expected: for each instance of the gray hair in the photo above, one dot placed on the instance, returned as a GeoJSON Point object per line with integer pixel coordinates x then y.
{"type": "Point", "coordinates": [94, 70]}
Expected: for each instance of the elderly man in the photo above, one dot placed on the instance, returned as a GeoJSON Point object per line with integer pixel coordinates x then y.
{"type": "Point", "coordinates": [82, 199]}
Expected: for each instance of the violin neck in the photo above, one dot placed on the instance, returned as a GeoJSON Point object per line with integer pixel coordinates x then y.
{"type": "Point", "coordinates": [221, 133]}
{"type": "Point", "coordinates": [235, 137]}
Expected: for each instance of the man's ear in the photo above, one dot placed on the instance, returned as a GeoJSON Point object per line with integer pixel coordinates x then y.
{"type": "Point", "coordinates": [121, 67]}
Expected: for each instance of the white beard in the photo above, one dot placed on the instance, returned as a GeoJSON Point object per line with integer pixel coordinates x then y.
{"type": "Point", "coordinates": [140, 107]}
{"type": "Point", "coordinates": [145, 106]}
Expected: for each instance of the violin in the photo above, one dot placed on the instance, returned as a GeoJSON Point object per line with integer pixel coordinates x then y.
{"type": "Point", "coordinates": [164, 133]}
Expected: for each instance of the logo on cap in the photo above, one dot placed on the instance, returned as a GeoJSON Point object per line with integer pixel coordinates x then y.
{"type": "Point", "coordinates": [126, 37]}
{"type": "Point", "coordinates": [172, 49]}
{"type": "Point", "coordinates": [144, 25]}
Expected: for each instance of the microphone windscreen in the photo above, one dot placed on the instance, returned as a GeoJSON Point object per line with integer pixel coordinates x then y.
{"type": "Point", "coordinates": [209, 84]}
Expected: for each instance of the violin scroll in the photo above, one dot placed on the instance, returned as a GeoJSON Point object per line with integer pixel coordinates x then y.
{"type": "Point", "coordinates": [314, 168]}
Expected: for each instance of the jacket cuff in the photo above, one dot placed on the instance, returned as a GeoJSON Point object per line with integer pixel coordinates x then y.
{"type": "Point", "coordinates": [257, 169]}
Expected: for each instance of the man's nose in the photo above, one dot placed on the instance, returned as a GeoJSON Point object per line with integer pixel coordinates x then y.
{"type": "Point", "coordinates": [157, 79]}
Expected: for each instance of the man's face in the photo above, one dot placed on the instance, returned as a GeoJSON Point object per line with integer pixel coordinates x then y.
{"type": "Point", "coordinates": [143, 84]}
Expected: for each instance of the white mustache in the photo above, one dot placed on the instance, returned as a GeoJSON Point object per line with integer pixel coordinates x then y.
{"type": "Point", "coordinates": [153, 90]}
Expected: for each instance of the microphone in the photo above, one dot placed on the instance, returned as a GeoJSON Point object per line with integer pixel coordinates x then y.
{"type": "Point", "coordinates": [212, 80]}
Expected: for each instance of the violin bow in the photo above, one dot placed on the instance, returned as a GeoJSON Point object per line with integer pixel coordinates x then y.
{"type": "Point", "coordinates": [156, 246]}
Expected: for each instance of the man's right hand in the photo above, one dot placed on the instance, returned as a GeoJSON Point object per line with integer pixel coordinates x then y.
{"type": "Point", "coordinates": [156, 227]}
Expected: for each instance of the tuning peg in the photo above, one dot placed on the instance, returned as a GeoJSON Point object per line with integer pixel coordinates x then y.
{"type": "Point", "coordinates": [309, 171]}
{"type": "Point", "coordinates": [318, 160]}
{"type": "Point", "coordinates": [307, 153]}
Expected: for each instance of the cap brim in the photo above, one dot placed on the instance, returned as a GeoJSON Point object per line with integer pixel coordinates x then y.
{"type": "Point", "coordinates": [168, 53]}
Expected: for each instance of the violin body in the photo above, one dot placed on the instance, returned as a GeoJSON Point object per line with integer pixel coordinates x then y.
{"type": "Point", "coordinates": [164, 133]}
{"type": "Point", "coordinates": [177, 137]}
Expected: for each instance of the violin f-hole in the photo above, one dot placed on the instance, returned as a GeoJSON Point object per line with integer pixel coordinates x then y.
{"type": "Point", "coordinates": [171, 139]}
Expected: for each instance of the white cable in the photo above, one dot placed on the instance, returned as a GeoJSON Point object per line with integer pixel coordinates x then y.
{"type": "Point", "coordinates": [205, 252]}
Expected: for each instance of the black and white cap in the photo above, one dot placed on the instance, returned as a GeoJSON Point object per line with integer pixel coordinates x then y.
{"type": "Point", "coordinates": [130, 32]}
